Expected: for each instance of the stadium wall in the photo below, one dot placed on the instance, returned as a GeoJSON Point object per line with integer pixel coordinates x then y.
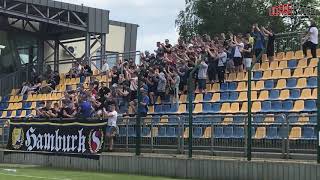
{"type": "Point", "coordinates": [175, 166]}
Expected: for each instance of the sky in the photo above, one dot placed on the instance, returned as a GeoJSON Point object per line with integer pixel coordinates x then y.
{"type": "Point", "coordinates": [156, 18]}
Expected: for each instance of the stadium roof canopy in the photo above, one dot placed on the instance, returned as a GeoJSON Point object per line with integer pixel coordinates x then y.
{"type": "Point", "coordinates": [52, 19]}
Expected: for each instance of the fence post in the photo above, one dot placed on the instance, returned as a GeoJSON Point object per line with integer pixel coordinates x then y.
{"type": "Point", "coordinates": [249, 129]}
{"type": "Point", "coordinates": [190, 108]}
{"type": "Point", "coordinates": [138, 122]}
{"type": "Point", "coordinates": [318, 113]}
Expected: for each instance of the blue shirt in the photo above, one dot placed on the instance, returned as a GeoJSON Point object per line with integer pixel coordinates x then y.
{"type": "Point", "coordinates": [144, 109]}
{"type": "Point", "coordinates": [258, 40]}
{"type": "Point", "coordinates": [85, 109]}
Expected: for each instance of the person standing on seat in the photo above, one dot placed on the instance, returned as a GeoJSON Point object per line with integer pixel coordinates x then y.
{"type": "Point", "coordinates": [312, 40]}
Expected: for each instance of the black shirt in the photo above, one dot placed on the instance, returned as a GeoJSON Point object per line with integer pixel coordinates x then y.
{"type": "Point", "coordinates": [271, 41]}
{"type": "Point", "coordinates": [247, 54]}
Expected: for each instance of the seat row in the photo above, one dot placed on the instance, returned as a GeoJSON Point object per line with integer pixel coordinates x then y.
{"type": "Point", "coordinates": [257, 107]}
{"type": "Point", "coordinates": [292, 55]}
{"type": "Point", "coordinates": [285, 73]}
{"type": "Point", "coordinates": [227, 132]}
{"type": "Point", "coordinates": [310, 82]}
{"type": "Point", "coordinates": [17, 114]}
{"type": "Point", "coordinates": [291, 64]}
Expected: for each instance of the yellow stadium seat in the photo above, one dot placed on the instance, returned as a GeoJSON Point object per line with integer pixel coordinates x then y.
{"type": "Point", "coordinates": [258, 85]}
{"type": "Point", "coordinates": [244, 107]}
{"type": "Point", "coordinates": [242, 76]}
{"type": "Point", "coordinates": [198, 108]}
{"type": "Point", "coordinates": [284, 94]}
{"type": "Point", "coordinates": [216, 87]}
{"type": "Point", "coordinates": [243, 96]}
{"type": "Point", "coordinates": [265, 66]}
{"type": "Point", "coordinates": [276, 74]}
{"type": "Point", "coordinates": [254, 95]}
{"type": "Point", "coordinates": [11, 99]}
{"type": "Point", "coordinates": [68, 81]}
{"type": "Point", "coordinates": [256, 67]}
{"type": "Point", "coordinates": [227, 120]}
{"type": "Point", "coordinates": [318, 52]}
{"type": "Point", "coordinates": [286, 73]}
{"type": "Point", "coordinates": [260, 133]}
{"type": "Point", "coordinates": [186, 133]}
{"type": "Point", "coordinates": [183, 98]}
{"type": "Point", "coordinates": [199, 98]}
{"type": "Point", "coordinates": [242, 86]}
{"type": "Point", "coordinates": [309, 55]}
{"type": "Point", "coordinates": [302, 63]}
{"type": "Point", "coordinates": [309, 71]}
{"type": "Point", "coordinates": [225, 108]}
{"type": "Point", "coordinates": [306, 94]}
{"type": "Point", "coordinates": [235, 107]}
{"type": "Point", "coordinates": [264, 57]}
{"type": "Point", "coordinates": [182, 108]}
{"type": "Point", "coordinates": [164, 119]}
{"type": "Point", "coordinates": [215, 97]}
{"type": "Point", "coordinates": [264, 95]}
{"type": "Point", "coordinates": [283, 64]}
{"type": "Point", "coordinates": [269, 118]}
{"type": "Point", "coordinates": [207, 133]}
{"type": "Point", "coordinates": [4, 114]}
{"type": "Point", "coordinates": [302, 83]}
{"type": "Point", "coordinates": [208, 86]}
{"type": "Point", "coordinates": [11, 106]}
{"type": "Point", "coordinates": [274, 65]}
{"type": "Point", "coordinates": [19, 105]}
{"type": "Point", "coordinates": [266, 75]}
{"type": "Point", "coordinates": [289, 55]}
{"type": "Point", "coordinates": [33, 105]}
{"type": "Point", "coordinates": [151, 109]}
{"type": "Point", "coordinates": [298, 72]}
{"type": "Point", "coordinates": [298, 106]}
{"type": "Point", "coordinates": [314, 94]}
{"type": "Point", "coordinates": [298, 54]}
{"type": "Point", "coordinates": [282, 83]}
{"type": "Point", "coordinates": [95, 72]}
{"type": "Point", "coordinates": [313, 62]}
{"type": "Point", "coordinates": [23, 113]}
{"type": "Point", "coordinates": [295, 133]}
{"type": "Point", "coordinates": [13, 114]}
{"type": "Point", "coordinates": [280, 56]}
{"type": "Point", "coordinates": [303, 119]}
{"type": "Point", "coordinates": [232, 77]}
{"type": "Point", "coordinates": [256, 107]}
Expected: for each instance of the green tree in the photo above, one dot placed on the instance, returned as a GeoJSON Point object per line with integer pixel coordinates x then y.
{"type": "Point", "coordinates": [216, 16]}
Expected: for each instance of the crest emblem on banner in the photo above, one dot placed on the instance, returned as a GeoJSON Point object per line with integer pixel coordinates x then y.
{"type": "Point", "coordinates": [17, 138]}
{"type": "Point", "coordinates": [96, 139]}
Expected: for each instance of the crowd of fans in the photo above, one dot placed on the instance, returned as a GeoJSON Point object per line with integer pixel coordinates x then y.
{"type": "Point", "coordinates": [164, 74]}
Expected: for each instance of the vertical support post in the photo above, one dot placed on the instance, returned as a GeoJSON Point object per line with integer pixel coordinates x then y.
{"type": "Point", "coordinates": [103, 49]}
{"type": "Point", "coordinates": [138, 123]}
{"type": "Point", "coordinates": [318, 113]}
{"type": "Point", "coordinates": [56, 55]}
{"type": "Point", "coordinates": [87, 49]}
{"type": "Point", "coordinates": [190, 108]}
{"type": "Point", "coordinates": [249, 129]}
{"type": "Point", "coordinates": [40, 55]}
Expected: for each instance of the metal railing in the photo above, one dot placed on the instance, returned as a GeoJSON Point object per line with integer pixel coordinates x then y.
{"type": "Point", "coordinates": [291, 41]}
{"type": "Point", "coordinates": [15, 79]}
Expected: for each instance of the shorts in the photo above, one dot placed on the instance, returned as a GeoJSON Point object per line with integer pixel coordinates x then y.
{"type": "Point", "coordinates": [237, 61]}
{"type": "Point", "coordinates": [201, 83]}
{"type": "Point", "coordinates": [111, 130]}
{"type": "Point", "coordinates": [247, 62]}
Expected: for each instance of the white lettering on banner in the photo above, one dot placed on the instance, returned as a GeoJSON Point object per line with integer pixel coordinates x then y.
{"type": "Point", "coordinates": [55, 142]}
{"type": "Point", "coordinates": [82, 141]}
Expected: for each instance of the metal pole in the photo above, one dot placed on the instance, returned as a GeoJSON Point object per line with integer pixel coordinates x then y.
{"type": "Point", "coordinates": [249, 129]}
{"type": "Point", "coordinates": [190, 108]}
{"type": "Point", "coordinates": [138, 123]}
{"type": "Point", "coordinates": [87, 49]}
{"type": "Point", "coordinates": [318, 113]}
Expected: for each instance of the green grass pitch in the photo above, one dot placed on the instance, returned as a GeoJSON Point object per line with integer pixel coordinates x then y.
{"type": "Point", "coordinates": [20, 172]}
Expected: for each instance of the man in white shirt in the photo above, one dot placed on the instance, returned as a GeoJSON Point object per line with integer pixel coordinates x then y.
{"type": "Point", "coordinates": [222, 60]}
{"type": "Point", "coordinates": [112, 127]}
{"type": "Point", "coordinates": [105, 66]}
{"type": "Point", "coordinates": [312, 43]}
